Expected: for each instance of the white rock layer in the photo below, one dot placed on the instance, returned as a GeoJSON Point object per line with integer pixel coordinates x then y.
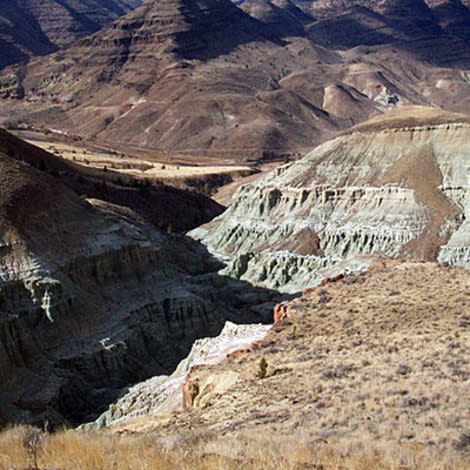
{"type": "Point", "coordinates": [162, 394]}
{"type": "Point", "coordinates": [401, 191]}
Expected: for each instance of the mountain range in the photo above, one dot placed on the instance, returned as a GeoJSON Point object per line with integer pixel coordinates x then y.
{"type": "Point", "coordinates": [252, 81]}
{"type": "Point", "coordinates": [33, 27]}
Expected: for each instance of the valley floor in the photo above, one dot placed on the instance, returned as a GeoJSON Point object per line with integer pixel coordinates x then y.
{"type": "Point", "coordinates": [176, 170]}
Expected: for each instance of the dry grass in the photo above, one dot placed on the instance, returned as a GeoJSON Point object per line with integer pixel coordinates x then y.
{"type": "Point", "coordinates": [375, 368]}
{"type": "Point", "coordinates": [374, 376]}
{"type": "Point", "coordinates": [134, 165]}
{"type": "Point", "coordinates": [79, 450]}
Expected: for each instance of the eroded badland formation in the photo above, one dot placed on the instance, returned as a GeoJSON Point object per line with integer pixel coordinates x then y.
{"type": "Point", "coordinates": [263, 80]}
{"type": "Point", "coordinates": [134, 305]}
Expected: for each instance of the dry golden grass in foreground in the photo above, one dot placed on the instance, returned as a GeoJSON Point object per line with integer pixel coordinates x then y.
{"type": "Point", "coordinates": [76, 450]}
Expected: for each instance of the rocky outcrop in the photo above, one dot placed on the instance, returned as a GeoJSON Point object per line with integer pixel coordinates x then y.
{"type": "Point", "coordinates": [92, 299]}
{"type": "Point", "coordinates": [396, 186]}
{"type": "Point", "coordinates": [162, 394]}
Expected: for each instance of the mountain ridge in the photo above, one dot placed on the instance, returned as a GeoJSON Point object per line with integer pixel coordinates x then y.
{"type": "Point", "coordinates": [51, 24]}
{"type": "Point", "coordinates": [212, 80]}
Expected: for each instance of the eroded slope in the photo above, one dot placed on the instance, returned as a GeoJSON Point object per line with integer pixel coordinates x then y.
{"type": "Point", "coordinates": [266, 82]}
{"type": "Point", "coordinates": [93, 298]}
{"type": "Point", "coordinates": [396, 186]}
{"type": "Point", "coordinates": [374, 363]}
{"type": "Point", "coordinates": [32, 27]}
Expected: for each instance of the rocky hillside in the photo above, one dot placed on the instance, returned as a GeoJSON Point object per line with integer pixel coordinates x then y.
{"type": "Point", "coordinates": [32, 27]}
{"type": "Point", "coordinates": [397, 185]}
{"type": "Point", "coordinates": [260, 80]}
{"type": "Point", "coordinates": [92, 299]}
{"type": "Point", "coordinates": [373, 364]}
{"type": "Point", "coordinates": [162, 394]}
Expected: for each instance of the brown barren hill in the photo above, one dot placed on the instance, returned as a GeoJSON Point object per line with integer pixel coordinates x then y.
{"type": "Point", "coordinates": [254, 81]}
{"type": "Point", "coordinates": [37, 28]}
{"type": "Point", "coordinates": [410, 117]}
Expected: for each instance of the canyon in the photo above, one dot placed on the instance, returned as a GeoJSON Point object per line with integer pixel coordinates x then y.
{"type": "Point", "coordinates": [315, 312]}
{"type": "Point", "coordinates": [94, 297]}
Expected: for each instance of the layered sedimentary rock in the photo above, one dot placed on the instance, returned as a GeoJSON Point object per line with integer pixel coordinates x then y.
{"type": "Point", "coordinates": [92, 299]}
{"type": "Point", "coordinates": [66, 21]}
{"type": "Point", "coordinates": [32, 27]}
{"type": "Point", "coordinates": [396, 186]}
{"type": "Point", "coordinates": [20, 35]}
{"type": "Point", "coordinates": [265, 80]}
{"type": "Point", "coordinates": [163, 394]}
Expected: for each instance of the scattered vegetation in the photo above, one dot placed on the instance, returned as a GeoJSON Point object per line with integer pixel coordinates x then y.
{"type": "Point", "coordinates": [262, 368]}
{"type": "Point", "coordinates": [209, 186]}
{"type": "Point", "coordinates": [32, 441]}
{"type": "Point", "coordinates": [207, 190]}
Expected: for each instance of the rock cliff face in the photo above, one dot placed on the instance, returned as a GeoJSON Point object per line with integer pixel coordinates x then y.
{"type": "Point", "coordinates": [91, 302]}
{"type": "Point", "coordinates": [32, 27]}
{"type": "Point", "coordinates": [396, 186]}
{"type": "Point", "coordinates": [162, 394]}
{"type": "Point", "coordinates": [265, 80]}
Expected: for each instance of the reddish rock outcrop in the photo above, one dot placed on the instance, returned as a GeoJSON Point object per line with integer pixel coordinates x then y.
{"type": "Point", "coordinates": [327, 280]}
{"type": "Point", "coordinates": [190, 392]}
{"type": "Point", "coordinates": [308, 291]}
{"type": "Point", "coordinates": [280, 312]}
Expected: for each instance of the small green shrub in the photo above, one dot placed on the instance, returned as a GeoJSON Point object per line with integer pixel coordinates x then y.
{"type": "Point", "coordinates": [262, 368]}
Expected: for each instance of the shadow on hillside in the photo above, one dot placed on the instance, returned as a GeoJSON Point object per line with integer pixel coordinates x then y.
{"type": "Point", "coordinates": [85, 395]}
{"type": "Point", "coordinates": [209, 37]}
{"type": "Point", "coordinates": [418, 35]}
{"type": "Point", "coordinates": [355, 27]}
{"type": "Point", "coordinates": [95, 321]}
